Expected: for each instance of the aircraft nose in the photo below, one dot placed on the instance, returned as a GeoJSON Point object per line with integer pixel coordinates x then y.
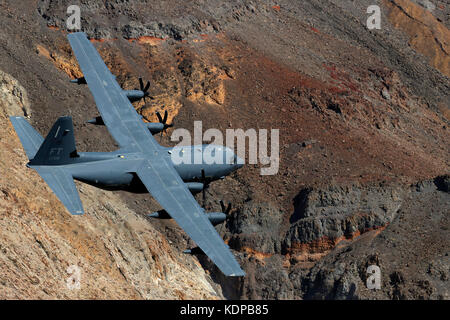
{"type": "Point", "coordinates": [238, 162]}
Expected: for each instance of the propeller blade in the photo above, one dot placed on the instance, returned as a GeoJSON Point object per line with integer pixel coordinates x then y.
{"type": "Point", "coordinates": [204, 187]}
{"type": "Point", "coordinates": [203, 175]}
{"type": "Point", "coordinates": [163, 121]}
{"type": "Point", "coordinates": [159, 117]}
{"type": "Point", "coordinates": [227, 211]}
{"type": "Point", "coordinates": [147, 86]}
{"type": "Point", "coordinates": [141, 84]}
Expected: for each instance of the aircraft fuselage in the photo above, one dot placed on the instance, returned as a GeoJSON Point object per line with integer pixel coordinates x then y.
{"type": "Point", "coordinates": [115, 170]}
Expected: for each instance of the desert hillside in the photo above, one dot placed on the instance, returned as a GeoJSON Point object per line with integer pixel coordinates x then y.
{"type": "Point", "coordinates": [364, 147]}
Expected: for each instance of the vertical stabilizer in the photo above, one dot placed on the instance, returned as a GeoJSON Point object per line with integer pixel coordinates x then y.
{"type": "Point", "coordinates": [58, 147]}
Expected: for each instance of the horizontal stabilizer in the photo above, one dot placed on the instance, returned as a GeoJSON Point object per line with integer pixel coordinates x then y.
{"type": "Point", "coordinates": [62, 184]}
{"type": "Point", "coordinates": [31, 140]}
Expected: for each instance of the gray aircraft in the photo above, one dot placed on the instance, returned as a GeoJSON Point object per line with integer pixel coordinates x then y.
{"type": "Point", "coordinates": [140, 164]}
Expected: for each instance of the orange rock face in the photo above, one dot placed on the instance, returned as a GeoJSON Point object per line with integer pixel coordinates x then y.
{"type": "Point", "coordinates": [62, 62]}
{"type": "Point", "coordinates": [427, 35]}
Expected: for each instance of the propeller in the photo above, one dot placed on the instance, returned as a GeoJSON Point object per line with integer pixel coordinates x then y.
{"type": "Point", "coordinates": [226, 211]}
{"type": "Point", "coordinates": [164, 122]}
{"type": "Point", "coordinates": [145, 88]}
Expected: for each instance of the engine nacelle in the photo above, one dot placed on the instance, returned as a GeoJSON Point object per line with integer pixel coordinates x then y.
{"type": "Point", "coordinates": [161, 214]}
{"type": "Point", "coordinates": [97, 121]}
{"type": "Point", "coordinates": [81, 80]}
{"type": "Point", "coordinates": [155, 127]}
{"type": "Point", "coordinates": [195, 187]}
{"type": "Point", "coordinates": [194, 251]}
{"type": "Point", "coordinates": [214, 217]}
{"type": "Point", "coordinates": [134, 95]}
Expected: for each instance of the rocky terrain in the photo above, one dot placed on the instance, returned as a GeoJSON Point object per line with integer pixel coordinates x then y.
{"type": "Point", "coordinates": [364, 147]}
{"type": "Point", "coordinates": [119, 254]}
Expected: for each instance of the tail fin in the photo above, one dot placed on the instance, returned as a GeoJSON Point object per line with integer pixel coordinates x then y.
{"type": "Point", "coordinates": [30, 138]}
{"type": "Point", "coordinates": [58, 147]}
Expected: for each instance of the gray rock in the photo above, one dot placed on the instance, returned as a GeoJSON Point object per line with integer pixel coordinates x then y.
{"type": "Point", "coordinates": [256, 226]}
{"type": "Point", "coordinates": [14, 96]}
{"type": "Point", "coordinates": [385, 93]}
{"type": "Point", "coordinates": [341, 211]}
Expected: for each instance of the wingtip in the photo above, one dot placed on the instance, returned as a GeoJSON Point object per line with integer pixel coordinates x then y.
{"type": "Point", "coordinates": [153, 215]}
{"type": "Point", "coordinates": [239, 274]}
{"type": "Point", "coordinates": [77, 212]}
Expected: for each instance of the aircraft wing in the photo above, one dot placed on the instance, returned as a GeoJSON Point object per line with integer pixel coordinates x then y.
{"type": "Point", "coordinates": [158, 175]}
{"type": "Point", "coordinates": [170, 191]}
{"type": "Point", "coordinates": [118, 114]}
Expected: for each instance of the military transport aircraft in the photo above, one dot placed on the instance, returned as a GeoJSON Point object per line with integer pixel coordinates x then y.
{"type": "Point", "coordinates": [139, 163]}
